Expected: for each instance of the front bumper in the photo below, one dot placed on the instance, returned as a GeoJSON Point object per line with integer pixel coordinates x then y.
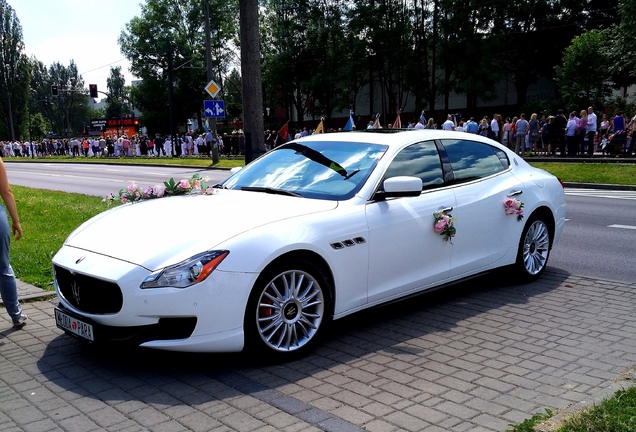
{"type": "Point", "coordinates": [207, 317]}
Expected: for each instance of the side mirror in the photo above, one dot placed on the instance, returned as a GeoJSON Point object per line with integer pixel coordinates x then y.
{"type": "Point", "coordinates": [401, 186]}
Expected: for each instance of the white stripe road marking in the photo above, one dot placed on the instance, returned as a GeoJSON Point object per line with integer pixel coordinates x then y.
{"type": "Point", "coordinates": [602, 193]}
{"type": "Point", "coordinates": [632, 227]}
{"type": "Point", "coordinates": [69, 176]}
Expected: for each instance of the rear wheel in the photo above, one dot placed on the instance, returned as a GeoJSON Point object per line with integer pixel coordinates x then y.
{"type": "Point", "coordinates": [288, 307]}
{"type": "Point", "coordinates": [534, 248]}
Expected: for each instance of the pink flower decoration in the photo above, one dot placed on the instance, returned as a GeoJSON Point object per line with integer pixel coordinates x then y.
{"type": "Point", "coordinates": [159, 190]}
{"type": "Point", "coordinates": [133, 192]}
{"type": "Point", "coordinates": [444, 225]}
{"type": "Point", "coordinates": [513, 207]}
{"type": "Point", "coordinates": [184, 184]}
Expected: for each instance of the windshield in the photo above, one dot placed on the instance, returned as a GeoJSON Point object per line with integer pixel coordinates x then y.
{"type": "Point", "coordinates": [332, 170]}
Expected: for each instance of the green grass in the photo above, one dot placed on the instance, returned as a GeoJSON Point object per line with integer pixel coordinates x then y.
{"type": "Point", "coordinates": [599, 173]}
{"type": "Point", "coordinates": [615, 414]}
{"type": "Point", "coordinates": [47, 218]}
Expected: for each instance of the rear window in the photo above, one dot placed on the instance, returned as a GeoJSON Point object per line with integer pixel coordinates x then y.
{"type": "Point", "coordinates": [471, 160]}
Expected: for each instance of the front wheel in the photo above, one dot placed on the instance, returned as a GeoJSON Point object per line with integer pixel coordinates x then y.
{"type": "Point", "coordinates": [287, 309]}
{"type": "Point", "coordinates": [534, 248]}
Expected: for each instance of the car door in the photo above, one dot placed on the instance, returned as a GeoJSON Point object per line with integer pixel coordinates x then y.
{"type": "Point", "coordinates": [405, 253]}
{"type": "Point", "coordinates": [483, 180]}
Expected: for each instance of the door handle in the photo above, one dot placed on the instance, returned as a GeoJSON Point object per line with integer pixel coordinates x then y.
{"type": "Point", "coordinates": [515, 193]}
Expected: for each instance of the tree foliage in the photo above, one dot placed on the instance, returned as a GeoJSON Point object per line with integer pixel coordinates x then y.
{"type": "Point", "coordinates": [166, 44]}
{"type": "Point", "coordinates": [118, 103]}
{"type": "Point", "coordinates": [14, 75]}
{"type": "Point", "coordinates": [69, 109]}
{"type": "Point", "coordinates": [324, 57]}
{"type": "Point", "coordinates": [583, 77]}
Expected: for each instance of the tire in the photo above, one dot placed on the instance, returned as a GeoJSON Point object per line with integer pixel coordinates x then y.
{"type": "Point", "coordinates": [288, 307]}
{"type": "Point", "coordinates": [534, 248]}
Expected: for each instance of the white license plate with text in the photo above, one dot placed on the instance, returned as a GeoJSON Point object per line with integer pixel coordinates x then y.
{"type": "Point", "coordinates": [73, 325]}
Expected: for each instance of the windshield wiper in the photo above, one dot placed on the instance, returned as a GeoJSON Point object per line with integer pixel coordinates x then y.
{"type": "Point", "coordinates": [270, 191]}
{"type": "Point", "coordinates": [352, 174]}
{"type": "Point", "coordinates": [318, 157]}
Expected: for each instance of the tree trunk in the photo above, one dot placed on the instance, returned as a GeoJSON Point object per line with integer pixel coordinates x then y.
{"type": "Point", "coordinates": [253, 126]}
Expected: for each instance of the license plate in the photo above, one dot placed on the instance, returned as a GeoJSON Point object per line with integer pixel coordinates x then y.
{"type": "Point", "coordinates": [73, 325]}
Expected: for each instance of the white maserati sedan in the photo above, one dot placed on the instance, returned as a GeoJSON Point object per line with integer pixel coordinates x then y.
{"type": "Point", "coordinates": [312, 231]}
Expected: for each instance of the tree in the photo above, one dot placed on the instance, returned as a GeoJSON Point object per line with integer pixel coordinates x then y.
{"type": "Point", "coordinates": [165, 42]}
{"type": "Point", "coordinates": [622, 44]}
{"type": "Point", "coordinates": [387, 26]}
{"type": "Point", "coordinates": [251, 74]}
{"type": "Point", "coordinates": [40, 92]}
{"type": "Point", "coordinates": [583, 79]}
{"type": "Point", "coordinates": [286, 58]}
{"type": "Point", "coordinates": [37, 126]}
{"type": "Point", "coordinates": [14, 76]}
{"type": "Point", "coordinates": [69, 110]}
{"type": "Point", "coordinates": [233, 93]}
{"type": "Point", "coordinates": [115, 102]}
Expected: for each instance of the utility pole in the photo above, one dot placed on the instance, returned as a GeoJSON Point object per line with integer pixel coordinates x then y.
{"type": "Point", "coordinates": [208, 61]}
{"type": "Point", "coordinates": [173, 139]}
{"type": "Point", "coordinates": [251, 74]}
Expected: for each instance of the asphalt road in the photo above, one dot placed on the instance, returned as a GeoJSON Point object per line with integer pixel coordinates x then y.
{"type": "Point", "coordinates": [599, 235]}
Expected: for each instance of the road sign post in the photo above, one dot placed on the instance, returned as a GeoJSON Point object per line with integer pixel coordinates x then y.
{"type": "Point", "coordinates": [214, 108]}
{"type": "Point", "coordinates": [212, 88]}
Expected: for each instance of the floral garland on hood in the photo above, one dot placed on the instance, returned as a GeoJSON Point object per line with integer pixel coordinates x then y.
{"type": "Point", "coordinates": [192, 186]}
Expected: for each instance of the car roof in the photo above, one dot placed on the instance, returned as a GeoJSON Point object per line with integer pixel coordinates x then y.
{"type": "Point", "coordinates": [394, 137]}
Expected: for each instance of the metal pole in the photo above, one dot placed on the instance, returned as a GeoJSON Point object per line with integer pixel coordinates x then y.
{"type": "Point", "coordinates": [210, 72]}
{"type": "Point", "coordinates": [170, 90]}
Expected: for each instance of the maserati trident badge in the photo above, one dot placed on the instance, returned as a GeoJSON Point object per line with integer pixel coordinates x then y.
{"type": "Point", "coordinates": [75, 289]}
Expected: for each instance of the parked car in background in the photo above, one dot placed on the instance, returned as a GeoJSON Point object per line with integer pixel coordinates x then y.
{"type": "Point", "coordinates": [314, 230]}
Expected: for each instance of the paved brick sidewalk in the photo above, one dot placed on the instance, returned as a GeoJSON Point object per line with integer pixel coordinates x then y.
{"type": "Point", "coordinates": [474, 357]}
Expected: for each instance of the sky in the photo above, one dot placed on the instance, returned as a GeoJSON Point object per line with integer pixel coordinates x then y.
{"type": "Point", "coordinates": [85, 31]}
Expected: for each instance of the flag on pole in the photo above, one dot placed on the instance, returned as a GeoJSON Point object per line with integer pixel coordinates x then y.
{"type": "Point", "coordinates": [350, 123]}
{"type": "Point", "coordinates": [284, 132]}
{"type": "Point", "coordinates": [398, 122]}
{"type": "Point", "coordinates": [321, 127]}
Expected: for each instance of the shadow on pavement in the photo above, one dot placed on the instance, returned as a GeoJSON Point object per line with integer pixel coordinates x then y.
{"type": "Point", "coordinates": [405, 330]}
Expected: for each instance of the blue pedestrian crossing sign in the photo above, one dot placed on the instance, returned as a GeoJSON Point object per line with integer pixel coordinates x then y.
{"type": "Point", "coordinates": [214, 108]}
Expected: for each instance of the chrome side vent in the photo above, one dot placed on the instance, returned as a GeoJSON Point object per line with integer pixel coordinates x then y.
{"type": "Point", "coordinates": [348, 243]}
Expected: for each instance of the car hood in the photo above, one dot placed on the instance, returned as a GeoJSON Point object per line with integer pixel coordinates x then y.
{"type": "Point", "coordinates": [164, 231]}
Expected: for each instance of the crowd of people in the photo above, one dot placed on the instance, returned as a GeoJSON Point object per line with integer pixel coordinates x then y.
{"type": "Point", "coordinates": [582, 133]}
{"type": "Point", "coordinates": [577, 134]}
{"type": "Point", "coordinates": [188, 144]}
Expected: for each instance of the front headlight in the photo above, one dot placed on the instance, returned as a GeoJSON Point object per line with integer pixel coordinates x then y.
{"type": "Point", "coordinates": [186, 273]}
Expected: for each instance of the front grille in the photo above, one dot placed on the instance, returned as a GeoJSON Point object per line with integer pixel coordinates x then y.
{"type": "Point", "coordinates": [88, 294]}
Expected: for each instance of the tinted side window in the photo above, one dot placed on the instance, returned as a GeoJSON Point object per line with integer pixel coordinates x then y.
{"type": "Point", "coordinates": [418, 160]}
{"type": "Point", "coordinates": [472, 160]}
